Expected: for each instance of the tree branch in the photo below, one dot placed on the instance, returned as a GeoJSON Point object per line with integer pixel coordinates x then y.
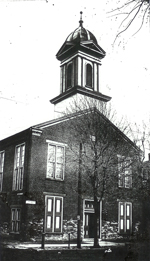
{"type": "Point", "coordinates": [129, 22]}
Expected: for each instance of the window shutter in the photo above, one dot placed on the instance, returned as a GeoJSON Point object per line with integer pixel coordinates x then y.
{"type": "Point", "coordinates": [16, 178]}
{"type": "Point", "coordinates": [17, 220]}
{"type": "Point", "coordinates": [1, 169]}
{"type": "Point", "coordinates": [49, 214]}
{"type": "Point", "coordinates": [51, 161]}
{"type": "Point", "coordinates": [59, 162]}
{"type": "Point", "coordinates": [121, 217]}
{"type": "Point", "coordinates": [120, 172]}
{"type": "Point", "coordinates": [13, 220]}
{"type": "Point", "coordinates": [1, 181]}
{"type": "Point", "coordinates": [58, 211]}
{"type": "Point", "coordinates": [128, 217]}
{"type": "Point", "coordinates": [128, 174]}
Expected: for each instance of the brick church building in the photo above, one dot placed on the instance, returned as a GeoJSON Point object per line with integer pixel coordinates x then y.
{"type": "Point", "coordinates": [39, 169]}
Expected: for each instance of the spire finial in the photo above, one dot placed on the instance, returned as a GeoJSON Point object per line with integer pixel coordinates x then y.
{"type": "Point", "coordinates": [81, 21]}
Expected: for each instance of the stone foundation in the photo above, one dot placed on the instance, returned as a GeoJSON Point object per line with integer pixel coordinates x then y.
{"type": "Point", "coordinates": [33, 231]}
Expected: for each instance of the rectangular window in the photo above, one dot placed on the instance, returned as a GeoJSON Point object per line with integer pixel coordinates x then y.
{"type": "Point", "coordinates": [18, 167]}
{"type": "Point", "coordinates": [124, 172]}
{"type": "Point", "coordinates": [55, 162]}
{"type": "Point", "coordinates": [145, 175]}
{"type": "Point", "coordinates": [125, 217]}
{"type": "Point", "coordinates": [1, 169]}
{"type": "Point", "coordinates": [53, 214]}
{"type": "Point", "coordinates": [15, 219]}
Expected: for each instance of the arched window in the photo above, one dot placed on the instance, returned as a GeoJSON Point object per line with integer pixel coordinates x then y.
{"type": "Point", "coordinates": [89, 75]}
{"type": "Point", "coordinates": [69, 75]}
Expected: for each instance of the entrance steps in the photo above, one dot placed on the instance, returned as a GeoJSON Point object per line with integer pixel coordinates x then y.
{"type": "Point", "coordinates": [89, 240]}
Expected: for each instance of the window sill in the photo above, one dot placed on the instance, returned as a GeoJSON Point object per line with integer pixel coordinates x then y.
{"type": "Point", "coordinates": [54, 233]}
{"type": "Point", "coordinates": [124, 188]}
{"type": "Point", "coordinates": [17, 191]}
{"type": "Point", "coordinates": [127, 233]}
{"type": "Point", "coordinates": [89, 87]}
{"type": "Point", "coordinates": [55, 179]}
{"type": "Point", "coordinates": [15, 233]}
{"type": "Point", "coordinates": [68, 88]}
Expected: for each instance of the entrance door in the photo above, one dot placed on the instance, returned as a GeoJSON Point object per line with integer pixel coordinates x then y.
{"type": "Point", "coordinates": [89, 220]}
{"type": "Point", "coordinates": [89, 225]}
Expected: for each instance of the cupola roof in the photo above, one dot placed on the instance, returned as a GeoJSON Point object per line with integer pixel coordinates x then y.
{"type": "Point", "coordinates": [81, 34]}
{"type": "Point", "coordinates": [83, 40]}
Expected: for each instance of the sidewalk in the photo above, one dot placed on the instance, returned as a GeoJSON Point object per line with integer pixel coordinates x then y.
{"type": "Point", "coordinates": [27, 245]}
{"type": "Point", "coordinates": [110, 251]}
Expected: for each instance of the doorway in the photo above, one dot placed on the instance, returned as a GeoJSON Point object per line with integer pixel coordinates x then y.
{"type": "Point", "coordinates": [89, 219]}
{"type": "Point", "coordinates": [89, 225]}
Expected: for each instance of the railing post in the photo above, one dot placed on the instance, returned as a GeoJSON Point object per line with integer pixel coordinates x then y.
{"type": "Point", "coordinates": [43, 240]}
{"type": "Point", "coordinates": [69, 240]}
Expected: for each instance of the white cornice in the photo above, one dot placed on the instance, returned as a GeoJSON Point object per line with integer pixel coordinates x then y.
{"type": "Point", "coordinates": [36, 132]}
{"type": "Point", "coordinates": [55, 142]}
{"type": "Point", "coordinates": [83, 55]}
{"type": "Point", "coordinates": [54, 194]}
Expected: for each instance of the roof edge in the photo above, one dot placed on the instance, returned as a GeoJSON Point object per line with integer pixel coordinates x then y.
{"type": "Point", "coordinates": [81, 90]}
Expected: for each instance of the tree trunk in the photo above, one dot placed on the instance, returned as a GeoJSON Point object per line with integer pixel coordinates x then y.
{"type": "Point", "coordinates": [96, 214]}
{"type": "Point", "coordinates": [96, 218]}
{"type": "Point", "coordinates": [79, 200]}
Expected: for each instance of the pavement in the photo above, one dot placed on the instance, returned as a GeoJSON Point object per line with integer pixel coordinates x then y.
{"type": "Point", "coordinates": [108, 251]}
{"type": "Point", "coordinates": [26, 245]}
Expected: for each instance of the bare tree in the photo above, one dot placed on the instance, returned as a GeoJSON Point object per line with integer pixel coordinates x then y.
{"type": "Point", "coordinates": [95, 125]}
{"type": "Point", "coordinates": [131, 10]}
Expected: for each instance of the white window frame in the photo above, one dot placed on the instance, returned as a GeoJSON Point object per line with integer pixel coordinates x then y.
{"type": "Point", "coordinates": [87, 209]}
{"type": "Point", "coordinates": [72, 75]}
{"type": "Point", "coordinates": [91, 64]}
{"type": "Point", "coordinates": [124, 174]}
{"type": "Point", "coordinates": [2, 157]}
{"type": "Point", "coordinates": [125, 217]}
{"type": "Point", "coordinates": [51, 215]}
{"type": "Point", "coordinates": [15, 219]}
{"type": "Point", "coordinates": [18, 173]}
{"type": "Point", "coordinates": [56, 145]}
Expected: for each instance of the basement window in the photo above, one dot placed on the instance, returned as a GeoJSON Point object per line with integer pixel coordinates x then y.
{"type": "Point", "coordinates": [15, 220]}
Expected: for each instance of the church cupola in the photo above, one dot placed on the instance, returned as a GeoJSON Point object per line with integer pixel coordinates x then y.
{"type": "Point", "coordinates": [80, 57]}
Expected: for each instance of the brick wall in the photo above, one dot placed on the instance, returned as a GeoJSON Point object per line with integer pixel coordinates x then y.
{"type": "Point", "coordinates": [35, 183]}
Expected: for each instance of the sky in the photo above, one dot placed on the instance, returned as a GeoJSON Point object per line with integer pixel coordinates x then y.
{"type": "Point", "coordinates": [32, 32]}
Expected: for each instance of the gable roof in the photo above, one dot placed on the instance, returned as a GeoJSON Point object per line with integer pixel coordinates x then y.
{"type": "Point", "coordinates": [74, 115]}
{"type": "Point", "coordinates": [38, 128]}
